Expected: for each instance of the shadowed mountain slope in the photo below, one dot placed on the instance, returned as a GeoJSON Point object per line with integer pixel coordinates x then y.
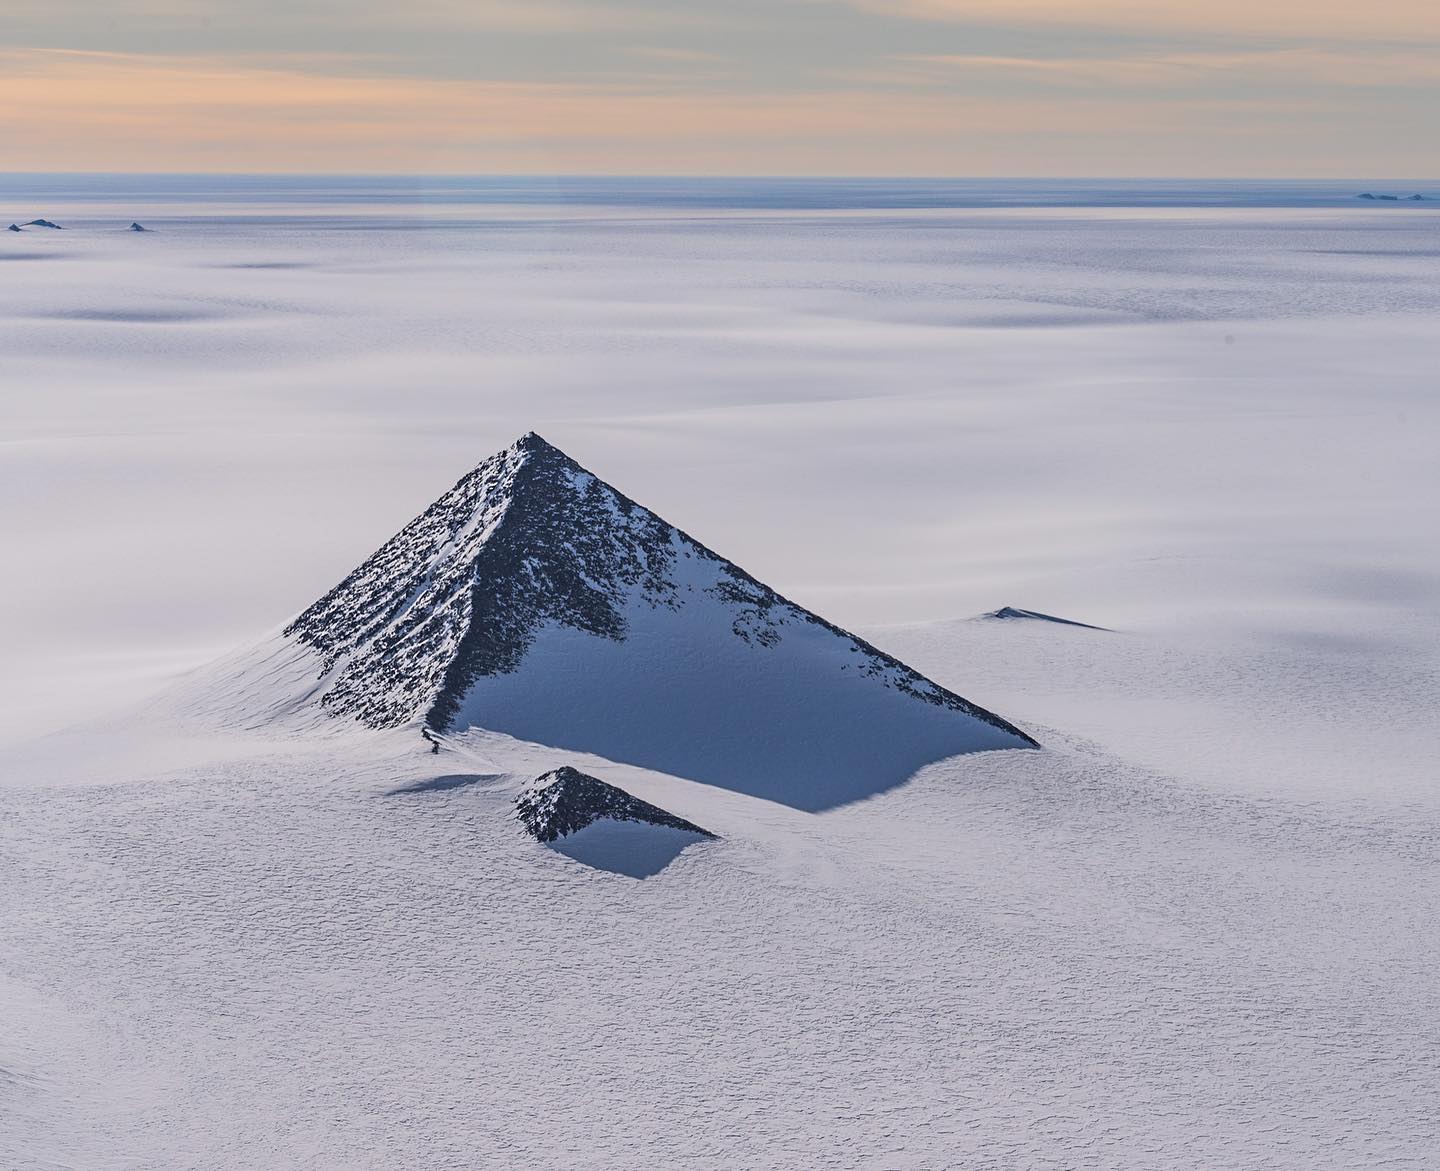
{"type": "Point", "coordinates": [535, 600]}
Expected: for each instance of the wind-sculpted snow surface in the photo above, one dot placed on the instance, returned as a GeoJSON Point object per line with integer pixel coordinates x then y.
{"type": "Point", "coordinates": [535, 600]}
{"type": "Point", "coordinates": [1040, 960]}
{"type": "Point", "coordinates": [1197, 932]}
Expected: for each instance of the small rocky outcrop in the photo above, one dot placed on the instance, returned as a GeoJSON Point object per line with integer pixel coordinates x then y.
{"type": "Point", "coordinates": [1012, 612]}
{"type": "Point", "coordinates": [565, 800]}
{"type": "Point", "coordinates": [13, 228]}
{"type": "Point", "coordinates": [137, 227]}
{"type": "Point", "coordinates": [42, 224]}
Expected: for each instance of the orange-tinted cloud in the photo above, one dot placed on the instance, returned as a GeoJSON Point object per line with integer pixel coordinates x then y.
{"type": "Point", "coordinates": [1324, 67]}
{"type": "Point", "coordinates": [1396, 19]}
{"type": "Point", "coordinates": [119, 112]}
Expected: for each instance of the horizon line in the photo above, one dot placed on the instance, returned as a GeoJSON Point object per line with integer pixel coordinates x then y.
{"type": "Point", "coordinates": [715, 175]}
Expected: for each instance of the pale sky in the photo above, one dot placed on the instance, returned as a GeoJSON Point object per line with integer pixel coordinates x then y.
{"type": "Point", "coordinates": [1180, 88]}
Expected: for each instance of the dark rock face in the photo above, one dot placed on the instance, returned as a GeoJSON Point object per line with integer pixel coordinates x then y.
{"type": "Point", "coordinates": [13, 228]}
{"type": "Point", "coordinates": [42, 224]}
{"type": "Point", "coordinates": [566, 800]}
{"type": "Point", "coordinates": [393, 626]}
{"type": "Point", "coordinates": [529, 538]}
{"type": "Point", "coordinates": [135, 227]}
{"type": "Point", "coordinates": [569, 550]}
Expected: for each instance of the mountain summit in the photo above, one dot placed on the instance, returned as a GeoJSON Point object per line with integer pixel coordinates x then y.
{"type": "Point", "coordinates": [535, 600]}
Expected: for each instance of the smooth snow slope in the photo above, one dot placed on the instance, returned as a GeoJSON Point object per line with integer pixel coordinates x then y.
{"type": "Point", "coordinates": [797, 723]}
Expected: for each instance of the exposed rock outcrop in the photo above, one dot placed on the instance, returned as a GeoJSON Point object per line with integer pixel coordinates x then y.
{"type": "Point", "coordinates": [565, 801]}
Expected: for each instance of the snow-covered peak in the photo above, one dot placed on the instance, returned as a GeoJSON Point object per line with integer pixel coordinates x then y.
{"type": "Point", "coordinates": [535, 600]}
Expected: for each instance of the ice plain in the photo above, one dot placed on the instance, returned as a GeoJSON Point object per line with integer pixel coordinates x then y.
{"type": "Point", "coordinates": [1198, 929]}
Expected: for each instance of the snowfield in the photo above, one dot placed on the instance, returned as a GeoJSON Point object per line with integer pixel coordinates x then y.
{"type": "Point", "coordinates": [1196, 928]}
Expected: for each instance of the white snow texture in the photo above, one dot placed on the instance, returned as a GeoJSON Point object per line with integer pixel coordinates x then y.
{"type": "Point", "coordinates": [1196, 929]}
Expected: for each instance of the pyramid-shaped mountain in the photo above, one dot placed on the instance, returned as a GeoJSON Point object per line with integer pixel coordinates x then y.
{"type": "Point", "coordinates": [566, 801]}
{"type": "Point", "coordinates": [534, 600]}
